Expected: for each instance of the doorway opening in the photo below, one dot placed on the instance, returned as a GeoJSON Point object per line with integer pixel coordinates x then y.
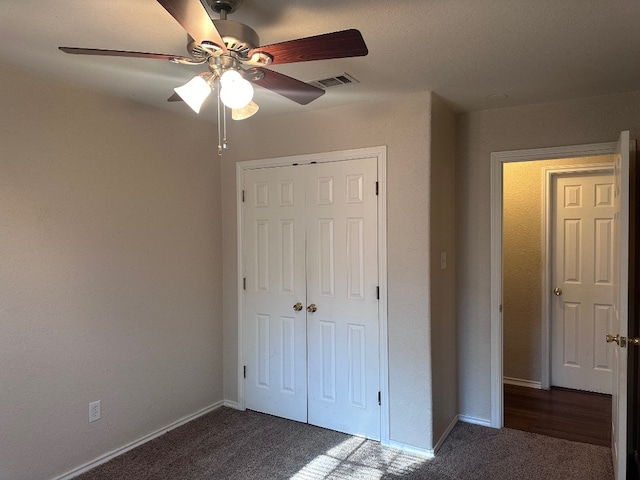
{"type": "Point", "coordinates": [498, 160]}
{"type": "Point", "coordinates": [624, 151]}
{"type": "Point", "coordinates": [549, 214]}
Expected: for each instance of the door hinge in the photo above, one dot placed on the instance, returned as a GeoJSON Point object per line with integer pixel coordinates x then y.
{"type": "Point", "coordinates": [377, 293]}
{"type": "Point", "coordinates": [244, 371]}
{"type": "Point", "coordinates": [500, 308]}
{"type": "Point", "coordinates": [377, 185]}
{"type": "Point", "coordinates": [244, 283]}
{"type": "Point", "coordinates": [242, 196]}
{"type": "Point", "coordinates": [379, 398]}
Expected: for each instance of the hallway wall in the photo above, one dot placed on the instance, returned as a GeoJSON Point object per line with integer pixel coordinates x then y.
{"type": "Point", "coordinates": [571, 122]}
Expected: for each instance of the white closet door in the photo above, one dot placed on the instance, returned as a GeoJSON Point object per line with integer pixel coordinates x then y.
{"type": "Point", "coordinates": [274, 333]}
{"type": "Point", "coordinates": [342, 276]}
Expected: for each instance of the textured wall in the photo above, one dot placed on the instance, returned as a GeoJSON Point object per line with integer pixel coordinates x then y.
{"type": "Point", "coordinates": [522, 264]}
{"type": "Point", "coordinates": [442, 239]}
{"type": "Point", "coordinates": [573, 122]}
{"type": "Point", "coordinates": [110, 273]}
{"type": "Point", "coordinates": [403, 125]}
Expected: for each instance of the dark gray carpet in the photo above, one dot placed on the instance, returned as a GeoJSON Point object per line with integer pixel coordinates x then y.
{"type": "Point", "coordinates": [229, 444]}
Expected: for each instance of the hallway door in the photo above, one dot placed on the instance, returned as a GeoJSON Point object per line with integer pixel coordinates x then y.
{"type": "Point", "coordinates": [583, 276]}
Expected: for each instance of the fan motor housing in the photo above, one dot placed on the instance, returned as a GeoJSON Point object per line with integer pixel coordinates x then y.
{"type": "Point", "coordinates": [238, 38]}
{"type": "Point", "coordinates": [226, 6]}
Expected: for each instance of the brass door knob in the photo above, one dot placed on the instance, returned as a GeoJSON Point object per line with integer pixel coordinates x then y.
{"type": "Point", "coordinates": [613, 338]}
{"type": "Point", "coordinates": [557, 291]}
{"type": "Point", "coordinates": [623, 341]}
{"type": "Point", "coordinates": [297, 307]}
{"type": "Point", "coordinates": [312, 308]}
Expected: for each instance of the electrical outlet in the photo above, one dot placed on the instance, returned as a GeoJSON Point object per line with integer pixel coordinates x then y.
{"type": "Point", "coordinates": [94, 411]}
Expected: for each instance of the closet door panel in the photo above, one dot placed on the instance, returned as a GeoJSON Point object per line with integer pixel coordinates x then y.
{"type": "Point", "coordinates": [342, 276]}
{"type": "Point", "coordinates": [274, 332]}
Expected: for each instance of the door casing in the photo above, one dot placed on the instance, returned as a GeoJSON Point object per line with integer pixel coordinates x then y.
{"type": "Point", "coordinates": [380, 153]}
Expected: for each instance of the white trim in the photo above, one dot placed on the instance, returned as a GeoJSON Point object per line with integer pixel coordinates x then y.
{"type": "Point", "coordinates": [405, 447]}
{"type": "Point", "coordinates": [497, 399]}
{"type": "Point", "coordinates": [428, 453]}
{"type": "Point", "coordinates": [382, 302]}
{"type": "Point", "coordinates": [497, 160]}
{"type": "Point", "coordinates": [136, 443]}
{"type": "Point", "coordinates": [475, 421]}
{"type": "Point", "coordinates": [549, 173]}
{"type": "Point", "coordinates": [380, 153]}
{"type": "Point", "coordinates": [444, 436]}
{"type": "Point", "coordinates": [518, 382]}
{"type": "Point", "coordinates": [239, 283]}
{"type": "Point", "coordinates": [230, 404]}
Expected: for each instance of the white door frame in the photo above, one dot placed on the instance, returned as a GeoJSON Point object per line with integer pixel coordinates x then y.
{"type": "Point", "coordinates": [497, 160]}
{"type": "Point", "coordinates": [380, 153]}
{"type": "Point", "coordinates": [549, 173]}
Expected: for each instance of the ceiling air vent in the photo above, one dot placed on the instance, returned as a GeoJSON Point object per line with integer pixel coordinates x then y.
{"type": "Point", "coordinates": [338, 80]}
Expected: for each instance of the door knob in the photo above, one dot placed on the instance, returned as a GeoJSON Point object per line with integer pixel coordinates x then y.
{"type": "Point", "coordinates": [557, 291]}
{"type": "Point", "coordinates": [614, 338]}
{"type": "Point", "coordinates": [312, 308]}
{"type": "Point", "coordinates": [297, 307]}
{"type": "Point", "coordinates": [623, 341]}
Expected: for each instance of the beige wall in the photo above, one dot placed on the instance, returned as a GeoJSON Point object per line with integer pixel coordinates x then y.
{"type": "Point", "coordinates": [522, 264]}
{"type": "Point", "coordinates": [573, 122]}
{"type": "Point", "coordinates": [110, 273]}
{"type": "Point", "coordinates": [403, 125]}
{"type": "Point", "coordinates": [442, 239]}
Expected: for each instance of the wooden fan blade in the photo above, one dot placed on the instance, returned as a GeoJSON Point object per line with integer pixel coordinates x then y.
{"type": "Point", "coordinates": [289, 87]}
{"type": "Point", "coordinates": [175, 98]}
{"type": "Point", "coordinates": [118, 53]}
{"type": "Point", "coordinates": [347, 43]}
{"type": "Point", "coordinates": [193, 17]}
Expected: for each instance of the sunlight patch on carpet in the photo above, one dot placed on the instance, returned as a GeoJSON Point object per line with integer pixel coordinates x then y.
{"type": "Point", "coordinates": [358, 458]}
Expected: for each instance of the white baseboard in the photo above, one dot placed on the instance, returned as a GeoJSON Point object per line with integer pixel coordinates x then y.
{"type": "Point", "coordinates": [405, 447]}
{"type": "Point", "coordinates": [430, 453]}
{"type": "Point", "coordinates": [475, 421]}
{"type": "Point", "coordinates": [444, 436]}
{"type": "Point", "coordinates": [230, 404]}
{"type": "Point", "coordinates": [522, 383]}
{"type": "Point", "coordinates": [136, 443]}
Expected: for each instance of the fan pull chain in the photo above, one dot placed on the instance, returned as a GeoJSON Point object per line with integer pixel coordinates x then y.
{"type": "Point", "coordinates": [217, 86]}
{"type": "Point", "coordinates": [224, 128]}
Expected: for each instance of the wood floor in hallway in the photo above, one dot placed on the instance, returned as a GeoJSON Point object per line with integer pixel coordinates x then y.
{"type": "Point", "coordinates": [559, 412]}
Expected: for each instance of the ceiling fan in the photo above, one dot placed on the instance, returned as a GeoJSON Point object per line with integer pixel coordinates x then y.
{"type": "Point", "coordinates": [235, 59]}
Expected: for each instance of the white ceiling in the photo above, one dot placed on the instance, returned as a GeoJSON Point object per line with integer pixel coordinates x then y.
{"type": "Point", "coordinates": [464, 50]}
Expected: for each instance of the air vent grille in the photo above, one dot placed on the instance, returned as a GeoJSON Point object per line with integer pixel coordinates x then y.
{"type": "Point", "coordinates": [337, 81]}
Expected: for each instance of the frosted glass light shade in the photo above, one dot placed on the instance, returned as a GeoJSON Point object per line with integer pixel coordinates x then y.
{"type": "Point", "coordinates": [235, 91]}
{"type": "Point", "coordinates": [194, 92]}
{"type": "Point", "coordinates": [245, 112]}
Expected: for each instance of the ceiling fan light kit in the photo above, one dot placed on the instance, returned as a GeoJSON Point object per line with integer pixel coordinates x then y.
{"type": "Point", "coordinates": [235, 91]}
{"type": "Point", "coordinates": [245, 112]}
{"type": "Point", "coordinates": [195, 92]}
{"type": "Point", "coordinates": [235, 59]}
